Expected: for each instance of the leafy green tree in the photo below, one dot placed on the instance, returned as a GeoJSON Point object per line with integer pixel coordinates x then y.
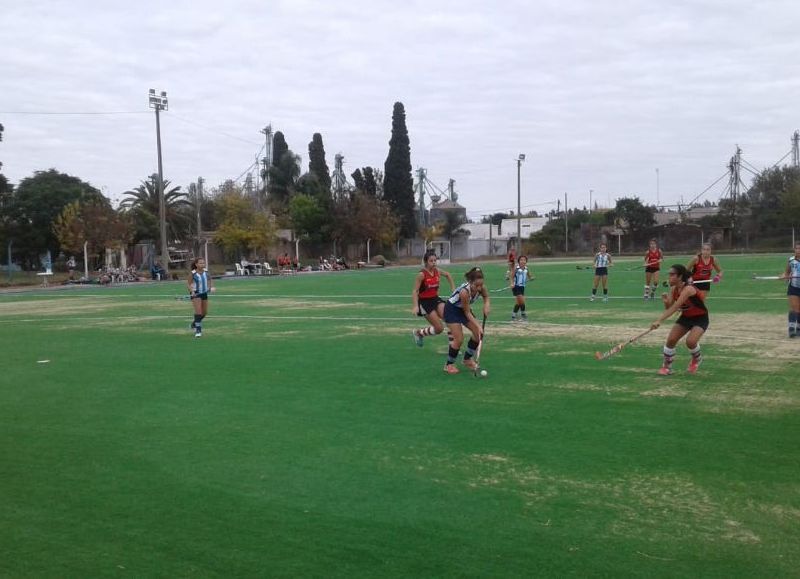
{"type": "Point", "coordinates": [316, 161]}
{"type": "Point", "coordinates": [398, 184]}
{"type": "Point", "coordinates": [633, 215]}
{"type": "Point", "coordinates": [31, 209]}
{"type": "Point", "coordinates": [309, 217]}
{"type": "Point", "coordinates": [142, 205]}
{"type": "Point", "coordinates": [362, 217]}
{"type": "Point", "coordinates": [93, 221]}
{"type": "Point", "coordinates": [241, 229]}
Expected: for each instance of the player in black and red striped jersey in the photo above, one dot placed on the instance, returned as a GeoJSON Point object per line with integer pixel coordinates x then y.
{"type": "Point", "coordinates": [652, 265]}
{"type": "Point", "coordinates": [425, 298]}
{"type": "Point", "coordinates": [702, 266]}
{"type": "Point", "coordinates": [692, 323]}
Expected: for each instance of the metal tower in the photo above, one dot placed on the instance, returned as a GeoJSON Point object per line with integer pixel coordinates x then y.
{"type": "Point", "coordinates": [339, 185]}
{"type": "Point", "coordinates": [267, 161]}
{"type": "Point", "coordinates": [796, 149]}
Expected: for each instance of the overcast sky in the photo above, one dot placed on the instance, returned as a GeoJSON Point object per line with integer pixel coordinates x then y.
{"type": "Point", "coordinates": [596, 94]}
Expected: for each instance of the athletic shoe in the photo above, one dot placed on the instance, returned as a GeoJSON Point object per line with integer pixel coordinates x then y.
{"type": "Point", "coordinates": [524, 318]}
{"type": "Point", "coordinates": [664, 371]}
{"type": "Point", "coordinates": [513, 318]}
{"type": "Point", "coordinates": [417, 338]}
{"type": "Point", "coordinates": [198, 334]}
{"type": "Point", "coordinates": [694, 365]}
{"type": "Point", "coordinates": [470, 363]}
{"type": "Point", "coordinates": [792, 335]}
{"type": "Point", "coordinates": [605, 299]}
{"type": "Point", "coordinates": [191, 326]}
{"type": "Point", "coordinates": [591, 299]}
{"type": "Point", "coordinates": [451, 369]}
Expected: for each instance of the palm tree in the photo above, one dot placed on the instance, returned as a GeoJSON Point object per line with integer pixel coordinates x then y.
{"type": "Point", "coordinates": [143, 203]}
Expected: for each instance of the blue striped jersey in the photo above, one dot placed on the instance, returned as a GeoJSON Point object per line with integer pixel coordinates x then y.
{"type": "Point", "coordinates": [794, 271]}
{"type": "Point", "coordinates": [200, 282]}
{"type": "Point", "coordinates": [455, 297]}
{"type": "Point", "coordinates": [602, 259]}
{"type": "Point", "coordinates": [520, 276]}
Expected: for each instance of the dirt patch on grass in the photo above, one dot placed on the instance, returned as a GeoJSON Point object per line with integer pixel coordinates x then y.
{"type": "Point", "coordinates": [56, 307]}
{"type": "Point", "coordinates": [666, 392]}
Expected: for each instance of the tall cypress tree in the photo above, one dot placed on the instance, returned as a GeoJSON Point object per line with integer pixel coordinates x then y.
{"type": "Point", "coordinates": [279, 147]}
{"type": "Point", "coordinates": [316, 161]}
{"type": "Point", "coordinates": [398, 184]}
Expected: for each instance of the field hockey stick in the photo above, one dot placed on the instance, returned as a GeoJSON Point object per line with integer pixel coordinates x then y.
{"type": "Point", "coordinates": [584, 267]}
{"type": "Point", "coordinates": [500, 289]}
{"type": "Point", "coordinates": [477, 369]}
{"type": "Point", "coordinates": [763, 277]}
{"type": "Point", "coordinates": [652, 263]}
{"type": "Point", "coordinates": [183, 298]}
{"type": "Point", "coordinates": [618, 348]}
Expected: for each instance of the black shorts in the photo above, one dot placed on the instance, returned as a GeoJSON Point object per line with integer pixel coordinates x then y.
{"type": "Point", "coordinates": [793, 291]}
{"type": "Point", "coordinates": [693, 322]}
{"type": "Point", "coordinates": [428, 305]}
{"type": "Point", "coordinates": [518, 290]}
{"type": "Point", "coordinates": [703, 285]}
{"type": "Point", "coordinates": [601, 271]}
{"type": "Point", "coordinates": [652, 269]}
{"type": "Point", "coordinates": [203, 296]}
{"type": "Point", "coordinates": [454, 314]}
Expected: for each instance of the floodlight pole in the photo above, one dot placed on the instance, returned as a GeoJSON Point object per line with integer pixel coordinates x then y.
{"type": "Point", "coordinates": [520, 159]}
{"type": "Point", "coordinates": [159, 103]}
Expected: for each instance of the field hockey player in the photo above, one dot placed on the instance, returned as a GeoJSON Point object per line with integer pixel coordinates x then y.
{"type": "Point", "coordinates": [792, 273]}
{"type": "Point", "coordinates": [199, 284]}
{"type": "Point", "coordinates": [521, 277]}
{"type": "Point", "coordinates": [701, 267]}
{"type": "Point", "coordinates": [602, 261]}
{"type": "Point", "coordinates": [652, 265]}
{"type": "Point", "coordinates": [425, 300]}
{"type": "Point", "coordinates": [692, 323]}
{"type": "Point", "coordinates": [458, 313]}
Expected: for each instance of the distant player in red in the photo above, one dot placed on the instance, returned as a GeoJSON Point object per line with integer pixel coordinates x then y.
{"type": "Point", "coordinates": [652, 264]}
{"type": "Point", "coordinates": [512, 263]}
{"type": "Point", "coordinates": [425, 300]}
{"type": "Point", "coordinates": [692, 323]}
{"type": "Point", "coordinates": [701, 267]}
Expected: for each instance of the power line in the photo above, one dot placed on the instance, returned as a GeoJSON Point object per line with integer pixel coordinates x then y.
{"type": "Point", "coordinates": [74, 113]}
{"type": "Point", "coordinates": [223, 133]}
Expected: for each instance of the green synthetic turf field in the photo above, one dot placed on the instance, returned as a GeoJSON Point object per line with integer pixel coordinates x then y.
{"type": "Point", "coordinates": [305, 435]}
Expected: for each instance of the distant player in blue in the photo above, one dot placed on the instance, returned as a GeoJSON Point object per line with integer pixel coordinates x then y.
{"type": "Point", "coordinates": [792, 273]}
{"type": "Point", "coordinates": [602, 261]}
{"type": "Point", "coordinates": [200, 285]}
{"type": "Point", "coordinates": [521, 277]}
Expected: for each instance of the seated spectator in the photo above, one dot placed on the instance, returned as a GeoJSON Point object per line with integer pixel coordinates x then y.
{"type": "Point", "coordinates": [295, 263]}
{"type": "Point", "coordinates": [250, 268]}
{"type": "Point", "coordinates": [157, 271]}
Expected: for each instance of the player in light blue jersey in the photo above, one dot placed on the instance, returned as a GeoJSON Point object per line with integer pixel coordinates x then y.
{"type": "Point", "coordinates": [520, 279]}
{"type": "Point", "coordinates": [602, 261]}
{"type": "Point", "coordinates": [792, 273]}
{"type": "Point", "coordinates": [458, 313]}
{"type": "Point", "coordinates": [200, 285]}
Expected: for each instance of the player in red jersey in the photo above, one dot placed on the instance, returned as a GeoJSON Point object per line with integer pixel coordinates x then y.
{"type": "Point", "coordinates": [652, 264]}
{"type": "Point", "coordinates": [701, 266]}
{"type": "Point", "coordinates": [425, 298]}
{"type": "Point", "coordinates": [692, 323]}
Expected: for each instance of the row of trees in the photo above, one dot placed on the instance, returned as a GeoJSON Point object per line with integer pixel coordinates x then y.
{"type": "Point", "coordinates": [52, 211]}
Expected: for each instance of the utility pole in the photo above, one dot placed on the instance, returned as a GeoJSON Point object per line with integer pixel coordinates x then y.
{"type": "Point", "coordinates": [591, 209]}
{"type": "Point", "coordinates": [658, 189]}
{"type": "Point", "coordinates": [733, 183]}
{"type": "Point", "coordinates": [199, 205]}
{"type": "Point", "coordinates": [421, 196]}
{"type": "Point", "coordinates": [796, 150]}
{"type": "Point", "coordinates": [566, 226]}
{"type": "Point", "coordinates": [267, 132]}
{"type": "Point", "coordinates": [159, 103]}
{"type": "Point", "coordinates": [520, 159]}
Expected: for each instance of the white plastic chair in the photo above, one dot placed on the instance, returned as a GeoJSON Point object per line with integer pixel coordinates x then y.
{"type": "Point", "coordinates": [266, 268]}
{"type": "Point", "coordinates": [240, 270]}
